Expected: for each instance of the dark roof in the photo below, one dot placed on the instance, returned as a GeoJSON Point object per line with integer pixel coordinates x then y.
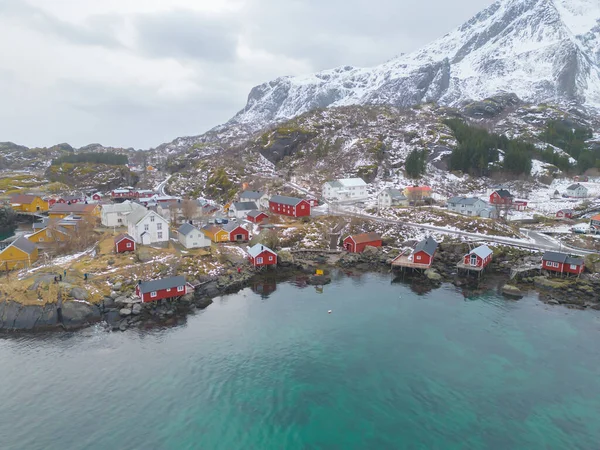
{"type": "Point", "coordinates": [23, 199]}
{"type": "Point", "coordinates": [159, 285]}
{"type": "Point", "coordinates": [25, 245]}
{"type": "Point", "coordinates": [366, 237]}
{"type": "Point", "coordinates": [504, 193]}
{"type": "Point", "coordinates": [41, 225]}
{"type": "Point", "coordinates": [230, 226]}
{"type": "Point", "coordinates": [555, 257]}
{"type": "Point", "coordinates": [576, 261]}
{"type": "Point", "coordinates": [575, 186]}
{"type": "Point", "coordinates": [65, 208]}
{"type": "Point", "coordinates": [465, 200]}
{"type": "Point", "coordinates": [187, 228]}
{"type": "Point", "coordinates": [122, 236]}
{"type": "Point", "coordinates": [252, 194]}
{"type": "Point", "coordinates": [244, 206]}
{"type": "Point", "coordinates": [283, 200]}
{"type": "Point", "coordinates": [428, 246]}
{"type": "Point", "coordinates": [256, 213]}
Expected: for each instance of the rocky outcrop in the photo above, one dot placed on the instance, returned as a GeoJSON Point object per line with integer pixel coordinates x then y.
{"type": "Point", "coordinates": [73, 315]}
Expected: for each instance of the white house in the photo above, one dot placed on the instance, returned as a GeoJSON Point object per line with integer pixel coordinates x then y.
{"type": "Point", "coordinates": [116, 215]}
{"type": "Point", "coordinates": [147, 227]}
{"type": "Point", "coordinates": [260, 198]}
{"type": "Point", "coordinates": [241, 209]}
{"type": "Point", "coordinates": [391, 197]}
{"type": "Point", "coordinates": [346, 189]}
{"type": "Point", "coordinates": [192, 237]}
{"type": "Point", "coordinates": [472, 207]}
{"type": "Point", "coordinates": [577, 191]}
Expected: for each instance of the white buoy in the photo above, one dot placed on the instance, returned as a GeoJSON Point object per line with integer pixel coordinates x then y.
{"type": "Point", "coordinates": [329, 312]}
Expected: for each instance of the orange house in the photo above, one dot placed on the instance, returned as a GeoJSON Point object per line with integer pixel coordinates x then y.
{"type": "Point", "coordinates": [62, 210]}
{"type": "Point", "coordinates": [215, 233]}
{"type": "Point", "coordinates": [28, 203]}
{"type": "Point", "coordinates": [49, 235]}
{"type": "Point", "coordinates": [20, 254]}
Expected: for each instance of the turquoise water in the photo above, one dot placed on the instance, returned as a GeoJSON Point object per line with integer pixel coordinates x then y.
{"type": "Point", "coordinates": [388, 369]}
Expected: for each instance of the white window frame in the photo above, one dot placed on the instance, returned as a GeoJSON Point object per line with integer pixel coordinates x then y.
{"type": "Point", "coordinates": [146, 227]}
{"type": "Point", "coordinates": [574, 267]}
{"type": "Point", "coordinates": [270, 258]}
{"type": "Point", "coordinates": [159, 235]}
{"type": "Point", "coordinates": [180, 288]}
{"type": "Point", "coordinates": [418, 257]}
{"type": "Point", "coordinates": [128, 245]}
{"type": "Point", "coordinates": [159, 226]}
{"type": "Point", "coordinates": [153, 294]}
{"type": "Point", "coordinates": [259, 260]}
{"type": "Point", "coordinates": [151, 218]}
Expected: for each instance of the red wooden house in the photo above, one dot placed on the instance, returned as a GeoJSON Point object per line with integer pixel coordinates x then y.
{"type": "Point", "coordinates": [256, 216]}
{"type": "Point", "coordinates": [289, 206]}
{"type": "Point", "coordinates": [478, 257]}
{"type": "Point", "coordinates": [236, 232]}
{"type": "Point", "coordinates": [520, 205]}
{"type": "Point", "coordinates": [124, 243]}
{"type": "Point", "coordinates": [425, 251]}
{"type": "Point", "coordinates": [501, 197]}
{"type": "Point", "coordinates": [313, 201]}
{"type": "Point", "coordinates": [260, 256]}
{"type": "Point", "coordinates": [97, 196]}
{"type": "Point", "coordinates": [562, 263]}
{"type": "Point", "coordinates": [173, 287]}
{"type": "Point", "coordinates": [358, 242]}
{"type": "Point", "coordinates": [565, 214]}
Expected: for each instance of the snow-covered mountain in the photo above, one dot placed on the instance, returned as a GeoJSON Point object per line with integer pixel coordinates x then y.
{"type": "Point", "coordinates": [541, 50]}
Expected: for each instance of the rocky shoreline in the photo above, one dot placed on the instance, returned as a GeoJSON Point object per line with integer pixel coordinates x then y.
{"type": "Point", "coordinates": [121, 311]}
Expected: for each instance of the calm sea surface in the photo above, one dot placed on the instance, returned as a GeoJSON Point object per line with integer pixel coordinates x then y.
{"type": "Point", "coordinates": [388, 369]}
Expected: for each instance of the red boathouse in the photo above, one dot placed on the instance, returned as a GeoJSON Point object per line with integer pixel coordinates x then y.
{"type": "Point", "coordinates": [562, 263]}
{"type": "Point", "coordinates": [173, 287]}
{"type": "Point", "coordinates": [358, 242]}
{"type": "Point", "coordinates": [260, 255]}
{"type": "Point", "coordinates": [124, 243]}
{"type": "Point", "coordinates": [236, 232]}
{"type": "Point", "coordinates": [501, 197]}
{"type": "Point", "coordinates": [479, 257]}
{"type": "Point", "coordinates": [257, 216]}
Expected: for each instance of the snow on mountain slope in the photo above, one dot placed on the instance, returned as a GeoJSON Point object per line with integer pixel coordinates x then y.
{"type": "Point", "coordinates": [541, 50]}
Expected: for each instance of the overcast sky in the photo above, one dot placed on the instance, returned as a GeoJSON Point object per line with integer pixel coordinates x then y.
{"type": "Point", "coordinates": [137, 73]}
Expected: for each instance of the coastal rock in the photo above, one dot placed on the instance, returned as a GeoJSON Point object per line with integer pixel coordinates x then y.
{"type": "Point", "coordinates": [79, 293]}
{"type": "Point", "coordinates": [187, 298]}
{"type": "Point", "coordinates": [114, 295]}
{"type": "Point", "coordinates": [319, 280]}
{"type": "Point", "coordinates": [433, 275]}
{"type": "Point", "coordinates": [512, 291]}
{"type": "Point", "coordinates": [137, 309]}
{"type": "Point", "coordinates": [78, 314]}
{"type": "Point", "coordinates": [108, 302]}
{"type": "Point", "coordinates": [121, 301]}
{"type": "Point", "coordinates": [547, 283]}
{"type": "Point", "coordinates": [117, 286]}
{"type": "Point", "coordinates": [124, 312]}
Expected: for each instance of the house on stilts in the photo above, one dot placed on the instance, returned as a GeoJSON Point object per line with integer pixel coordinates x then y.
{"type": "Point", "coordinates": [420, 258]}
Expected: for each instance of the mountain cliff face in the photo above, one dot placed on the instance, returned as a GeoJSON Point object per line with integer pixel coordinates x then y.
{"type": "Point", "coordinates": [544, 51]}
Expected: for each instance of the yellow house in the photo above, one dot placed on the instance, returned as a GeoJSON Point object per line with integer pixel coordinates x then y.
{"type": "Point", "coordinates": [20, 254]}
{"type": "Point", "coordinates": [49, 235]}
{"type": "Point", "coordinates": [215, 233]}
{"type": "Point", "coordinates": [62, 210]}
{"type": "Point", "coordinates": [28, 203]}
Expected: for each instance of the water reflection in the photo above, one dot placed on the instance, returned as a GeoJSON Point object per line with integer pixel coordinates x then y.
{"type": "Point", "coordinates": [264, 288]}
{"type": "Point", "coordinates": [417, 284]}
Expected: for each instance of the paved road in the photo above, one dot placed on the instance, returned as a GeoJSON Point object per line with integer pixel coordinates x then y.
{"type": "Point", "coordinates": [538, 241]}
{"type": "Point", "coordinates": [161, 187]}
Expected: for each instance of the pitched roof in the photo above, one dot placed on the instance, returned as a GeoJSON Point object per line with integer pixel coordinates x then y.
{"type": "Point", "coordinates": [41, 225]}
{"type": "Point", "coordinates": [230, 226]}
{"type": "Point", "coordinates": [418, 188]}
{"type": "Point", "coordinates": [187, 228]}
{"type": "Point", "coordinates": [159, 285]}
{"type": "Point", "coordinates": [122, 236]}
{"type": "Point", "coordinates": [574, 260]}
{"type": "Point", "coordinates": [257, 249]}
{"type": "Point", "coordinates": [576, 186]}
{"type": "Point", "coordinates": [352, 182]}
{"type": "Point", "coordinates": [283, 200]}
{"type": "Point", "coordinates": [77, 208]}
{"type": "Point", "coordinates": [256, 213]}
{"type": "Point", "coordinates": [124, 207]}
{"type": "Point", "coordinates": [213, 229]}
{"type": "Point", "coordinates": [555, 257]}
{"type": "Point", "coordinates": [569, 210]}
{"type": "Point", "coordinates": [23, 199]}
{"type": "Point", "coordinates": [136, 216]}
{"type": "Point", "coordinates": [396, 194]}
{"type": "Point", "coordinates": [24, 245]}
{"type": "Point", "coordinates": [244, 206]}
{"type": "Point", "coordinates": [503, 193]}
{"type": "Point", "coordinates": [483, 251]}
{"type": "Point", "coordinates": [427, 245]}
{"type": "Point", "coordinates": [366, 237]}
{"type": "Point", "coordinates": [255, 195]}
{"type": "Point", "coordinates": [596, 217]}
{"type": "Point", "coordinates": [465, 200]}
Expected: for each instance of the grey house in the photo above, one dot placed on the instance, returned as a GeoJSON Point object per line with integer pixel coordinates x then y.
{"type": "Point", "coordinates": [467, 206]}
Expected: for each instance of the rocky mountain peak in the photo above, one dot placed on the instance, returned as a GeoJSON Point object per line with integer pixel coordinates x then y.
{"type": "Point", "coordinates": [540, 50]}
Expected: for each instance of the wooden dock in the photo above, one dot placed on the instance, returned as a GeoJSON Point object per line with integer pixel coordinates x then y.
{"type": "Point", "coordinates": [404, 261]}
{"type": "Point", "coordinates": [462, 265]}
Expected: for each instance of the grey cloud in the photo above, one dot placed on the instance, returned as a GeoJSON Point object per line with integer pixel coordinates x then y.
{"type": "Point", "coordinates": [186, 34]}
{"type": "Point", "coordinates": [98, 33]}
{"type": "Point", "coordinates": [340, 32]}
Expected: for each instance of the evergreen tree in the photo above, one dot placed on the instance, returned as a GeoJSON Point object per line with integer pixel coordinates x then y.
{"type": "Point", "coordinates": [416, 163]}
